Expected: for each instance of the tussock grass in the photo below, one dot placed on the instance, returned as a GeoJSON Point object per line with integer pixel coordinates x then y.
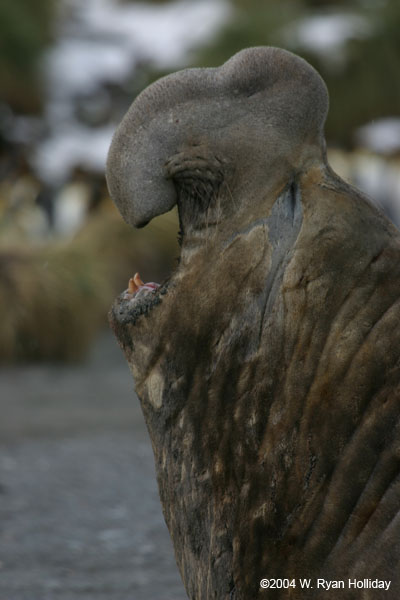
{"type": "Point", "coordinates": [54, 299]}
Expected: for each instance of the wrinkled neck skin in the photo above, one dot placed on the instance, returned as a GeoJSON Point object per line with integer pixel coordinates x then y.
{"type": "Point", "coordinates": [224, 215]}
{"type": "Point", "coordinates": [268, 374]}
{"type": "Point", "coordinates": [218, 201]}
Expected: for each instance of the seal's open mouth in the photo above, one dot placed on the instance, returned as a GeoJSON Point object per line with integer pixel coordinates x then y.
{"type": "Point", "coordinates": [197, 176]}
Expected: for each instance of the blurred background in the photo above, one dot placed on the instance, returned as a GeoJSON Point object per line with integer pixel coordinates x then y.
{"type": "Point", "coordinates": [69, 71]}
{"type": "Point", "coordinates": [78, 502]}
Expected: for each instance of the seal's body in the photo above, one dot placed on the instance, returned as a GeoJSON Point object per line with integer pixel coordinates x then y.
{"type": "Point", "coordinates": [268, 364]}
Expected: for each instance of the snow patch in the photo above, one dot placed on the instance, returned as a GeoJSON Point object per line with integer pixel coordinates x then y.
{"type": "Point", "coordinates": [382, 136]}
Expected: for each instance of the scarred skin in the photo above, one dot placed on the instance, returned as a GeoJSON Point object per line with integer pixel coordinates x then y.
{"type": "Point", "coordinates": [267, 366]}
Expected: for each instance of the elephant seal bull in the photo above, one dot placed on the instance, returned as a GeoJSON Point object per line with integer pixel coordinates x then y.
{"type": "Point", "coordinates": [268, 364]}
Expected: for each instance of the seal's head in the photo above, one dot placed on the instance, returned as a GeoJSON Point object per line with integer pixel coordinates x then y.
{"type": "Point", "coordinates": [258, 115]}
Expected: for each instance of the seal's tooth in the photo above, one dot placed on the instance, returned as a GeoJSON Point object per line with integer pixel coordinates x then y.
{"type": "Point", "coordinates": [137, 280]}
{"type": "Point", "coordinates": [132, 287]}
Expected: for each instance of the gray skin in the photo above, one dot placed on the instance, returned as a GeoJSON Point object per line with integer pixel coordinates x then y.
{"type": "Point", "coordinates": [268, 364]}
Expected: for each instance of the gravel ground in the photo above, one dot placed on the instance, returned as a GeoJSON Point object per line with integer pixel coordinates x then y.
{"type": "Point", "coordinates": [80, 516]}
